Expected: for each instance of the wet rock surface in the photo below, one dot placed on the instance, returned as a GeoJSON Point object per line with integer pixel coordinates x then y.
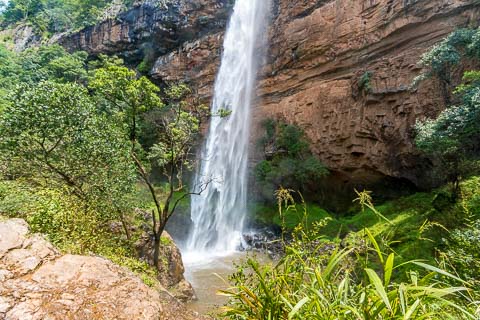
{"type": "Point", "coordinates": [37, 282]}
{"type": "Point", "coordinates": [266, 240]}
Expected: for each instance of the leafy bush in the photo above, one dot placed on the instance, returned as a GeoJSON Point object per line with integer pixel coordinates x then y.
{"type": "Point", "coordinates": [52, 16]}
{"type": "Point", "coordinates": [365, 82]}
{"type": "Point", "coordinates": [462, 252]}
{"type": "Point", "coordinates": [453, 138]}
{"type": "Point", "coordinates": [289, 161]}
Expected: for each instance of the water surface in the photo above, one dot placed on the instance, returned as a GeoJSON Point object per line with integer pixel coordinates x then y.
{"type": "Point", "coordinates": [210, 275]}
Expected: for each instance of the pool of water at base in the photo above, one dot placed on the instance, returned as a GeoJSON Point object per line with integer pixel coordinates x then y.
{"type": "Point", "coordinates": [210, 274]}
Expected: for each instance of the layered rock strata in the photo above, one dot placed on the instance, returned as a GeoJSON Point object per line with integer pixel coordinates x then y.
{"type": "Point", "coordinates": [318, 52]}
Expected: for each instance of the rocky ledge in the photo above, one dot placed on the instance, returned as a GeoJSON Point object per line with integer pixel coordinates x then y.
{"type": "Point", "coordinates": [38, 282]}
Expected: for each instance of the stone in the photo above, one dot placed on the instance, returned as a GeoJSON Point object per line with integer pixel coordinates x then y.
{"type": "Point", "coordinates": [151, 27]}
{"type": "Point", "coordinates": [12, 235]}
{"type": "Point", "coordinates": [170, 265]}
{"type": "Point", "coordinates": [37, 282]}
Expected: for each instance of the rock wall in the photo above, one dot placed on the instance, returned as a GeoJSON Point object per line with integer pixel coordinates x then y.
{"type": "Point", "coordinates": [319, 50]}
{"type": "Point", "coordinates": [37, 282]}
{"type": "Point", "coordinates": [317, 58]}
{"type": "Point", "coordinates": [151, 28]}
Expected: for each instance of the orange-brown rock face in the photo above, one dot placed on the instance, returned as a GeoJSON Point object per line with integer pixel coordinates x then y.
{"type": "Point", "coordinates": [318, 52]}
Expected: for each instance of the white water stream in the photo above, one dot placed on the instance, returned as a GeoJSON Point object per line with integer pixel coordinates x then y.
{"type": "Point", "coordinates": [219, 213]}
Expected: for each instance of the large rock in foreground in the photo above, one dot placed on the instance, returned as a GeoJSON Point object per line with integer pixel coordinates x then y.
{"type": "Point", "coordinates": [37, 282]}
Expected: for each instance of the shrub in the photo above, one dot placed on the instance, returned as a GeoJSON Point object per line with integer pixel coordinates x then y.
{"type": "Point", "coordinates": [289, 161]}
{"type": "Point", "coordinates": [319, 281]}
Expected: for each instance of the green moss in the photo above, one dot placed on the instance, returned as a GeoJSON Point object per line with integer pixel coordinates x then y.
{"type": "Point", "coordinates": [416, 227]}
{"type": "Point", "coordinates": [166, 241]}
{"type": "Point", "coordinates": [295, 216]}
{"type": "Point", "coordinates": [268, 215]}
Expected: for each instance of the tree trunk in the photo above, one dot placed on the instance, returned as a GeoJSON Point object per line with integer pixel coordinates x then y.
{"type": "Point", "coordinates": [125, 226]}
{"type": "Point", "coordinates": [156, 250]}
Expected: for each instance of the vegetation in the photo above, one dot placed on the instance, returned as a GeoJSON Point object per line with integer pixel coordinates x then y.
{"type": "Point", "coordinates": [174, 128]}
{"type": "Point", "coordinates": [54, 16]}
{"type": "Point", "coordinates": [365, 82]}
{"type": "Point", "coordinates": [452, 139]}
{"type": "Point", "coordinates": [34, 65]}
{"type": "Point", "coordinates": [53, 137]}
{"type": "Point", "coordinates": [83, 135]}
{"type": "Point", "coordinates": [318, 280]}
{"type": "Point", "coordinates": [289, 162]}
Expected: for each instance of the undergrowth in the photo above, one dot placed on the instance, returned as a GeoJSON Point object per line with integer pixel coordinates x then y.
{"type": "Point", "coordinates": [359, 278]}
{"type": "Point", "coordinates": [72, 228]}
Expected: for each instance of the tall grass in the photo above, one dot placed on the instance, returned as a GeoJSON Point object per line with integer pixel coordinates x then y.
{"type": "Point", "coordinates": [320, 280]}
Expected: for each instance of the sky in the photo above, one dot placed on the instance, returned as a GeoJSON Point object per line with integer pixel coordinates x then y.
{"type": "Point", "coordinates": [3, 4]}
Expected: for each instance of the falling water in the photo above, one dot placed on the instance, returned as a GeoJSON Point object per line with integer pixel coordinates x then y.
{"type": "Point", "coordinates": [219, 213]}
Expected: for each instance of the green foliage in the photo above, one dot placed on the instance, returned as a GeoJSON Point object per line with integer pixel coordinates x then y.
{"type": "Point", "coordinates": [440, 59]}
{"type": "Point", "coordinates": [123, 94]}
{"type": "Point", "coordinates": [290, 163]}
{"type": "Point", "coordinates": [72, 134]}
{"type": "Point", "coordinates": [52, 135]}
{"type": "Point", "coordinates": [316, 280]}
{"type": "Point", "coordinates": [364, 83]}
{"type": "Point", "coordinates": [462, 252]}
{"type": "Point", "coordinates": [268, 215]}
{"type": "Point", "coordinates": [453, 138]}
{"type": "Point", "coordinates": [54, 16]}
{"type": "Point", "coordinates": [70, 227]}
{"type": "Point", "coordinates": [51, 63]}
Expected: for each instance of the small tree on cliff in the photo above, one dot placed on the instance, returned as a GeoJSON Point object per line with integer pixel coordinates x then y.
{"type": "Point", "coordinates": [174, 126]}
{"type": "Point", "coordinates": [453, 138]}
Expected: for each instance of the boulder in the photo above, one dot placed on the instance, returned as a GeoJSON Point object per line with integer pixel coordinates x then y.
{"type": "Point", "coordinates": [38, 282]}
{"type": "Point", "coordinates": [170, 265]}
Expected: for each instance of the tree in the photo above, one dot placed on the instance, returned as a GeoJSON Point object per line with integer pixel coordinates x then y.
{"type": "Point", "coordinates": [52, 136]}
{"type": "Point", "coordinates": [289, 162]}
{"type": "Point", "coordinates": [51, 16]}
{"type": "Point", "coordinates": [175, 126]}
{"type": "Point", "coordinates": [443, 59]}
{"type": "Point", "coordinates": [453, 138]}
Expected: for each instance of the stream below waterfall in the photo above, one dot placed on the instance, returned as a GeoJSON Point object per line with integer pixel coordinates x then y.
{"type": "Point", "coordinates": [211, 275]}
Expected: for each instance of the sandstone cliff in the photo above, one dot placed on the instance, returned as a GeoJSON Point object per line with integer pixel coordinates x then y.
{"type": "Point", "coordinates": [318, 52]}
{"type": "Point", "coordinates": [37, 282]}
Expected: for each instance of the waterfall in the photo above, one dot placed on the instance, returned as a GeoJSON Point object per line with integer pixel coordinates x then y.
{"type": "Point", "coordinates": [219, 212]}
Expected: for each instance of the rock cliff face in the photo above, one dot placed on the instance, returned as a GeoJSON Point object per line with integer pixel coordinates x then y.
{"type": "Point", "coordinates": [151, 28]}
{"type": "Point", "coordinates": [318, 52]}
{"type": "Point", "coordinates": [37, 282]}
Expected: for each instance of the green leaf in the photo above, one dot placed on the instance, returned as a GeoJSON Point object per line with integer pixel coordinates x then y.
{"type": "Point", "coordinates": [380, 290]}
{"type": "Point", "coordinates": [438, 270]}
{"type": "Point", "coordinates": [388, 269]}
{"type": "Point", "coordinates": [297, 307]}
